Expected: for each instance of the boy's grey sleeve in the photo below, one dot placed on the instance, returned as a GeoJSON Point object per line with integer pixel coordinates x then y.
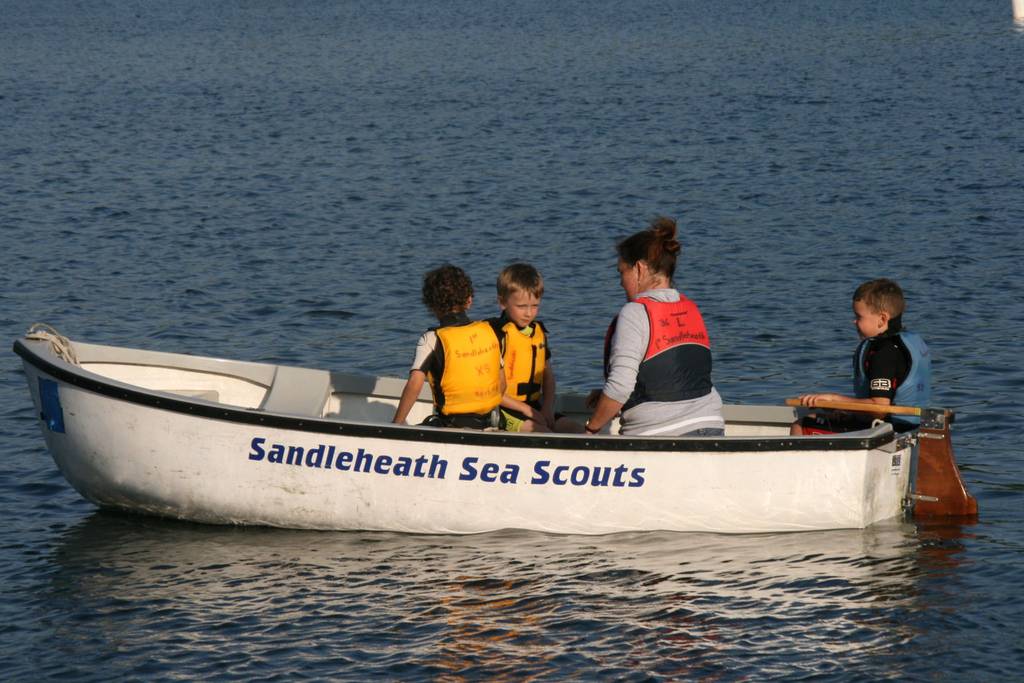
{"type": "Point", "coordinates": [425, 347]}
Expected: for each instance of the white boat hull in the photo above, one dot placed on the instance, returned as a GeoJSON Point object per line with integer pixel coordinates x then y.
{"type": "Point", "coordinates": [156, 452]}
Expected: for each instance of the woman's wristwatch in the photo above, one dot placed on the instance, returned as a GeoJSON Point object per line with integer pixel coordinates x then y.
{"type": "Point", "coordinates": [587, 428]}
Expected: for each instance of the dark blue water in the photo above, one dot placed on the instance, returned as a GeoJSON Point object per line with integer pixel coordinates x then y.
{"type": "Point", "coordinates": [269, 181]}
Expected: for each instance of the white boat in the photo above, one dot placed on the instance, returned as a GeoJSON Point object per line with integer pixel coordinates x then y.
{"type": "Point", "coordinates": [232, 442]}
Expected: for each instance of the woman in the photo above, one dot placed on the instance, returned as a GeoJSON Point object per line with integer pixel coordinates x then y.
{"type": "Point", "coordinates": [657, 352]}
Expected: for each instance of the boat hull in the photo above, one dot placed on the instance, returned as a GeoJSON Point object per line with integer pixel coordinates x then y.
{"type": "Point", "coordinates": [227, 465]}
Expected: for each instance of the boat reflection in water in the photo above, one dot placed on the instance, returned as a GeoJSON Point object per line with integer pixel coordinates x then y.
{"type": "Point", "coordinates": [505, 604]}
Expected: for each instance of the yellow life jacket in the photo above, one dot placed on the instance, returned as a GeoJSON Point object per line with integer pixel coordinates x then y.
{"type": "Point", "coordinates": [469, 379]}
{"type": "Point", "coordinates": [525, 359]}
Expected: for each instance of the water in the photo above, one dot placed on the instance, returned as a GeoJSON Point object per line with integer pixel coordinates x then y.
{"type": "Point", "coordinates": [269, 181]}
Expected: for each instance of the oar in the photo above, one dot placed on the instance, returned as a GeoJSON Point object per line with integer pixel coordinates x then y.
{"type": "Point", "coordinates": [938, 489]}
{"type": "Point", "coordinates": [858, 407]}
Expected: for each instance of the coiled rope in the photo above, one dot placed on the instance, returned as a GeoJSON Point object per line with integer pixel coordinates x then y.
{"type": "Point", "coordinates": [59, 344]}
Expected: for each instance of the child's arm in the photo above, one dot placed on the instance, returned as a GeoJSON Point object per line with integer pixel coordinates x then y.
{"type": "Point", "coordinates": [524, 408]}
{"type": "Point", "coordinates": [887, 362]}
{"type": "Point", "coordinates": [410, 393]}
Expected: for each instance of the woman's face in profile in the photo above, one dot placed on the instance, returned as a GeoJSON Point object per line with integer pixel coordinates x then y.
{"type": "Point", "coordinates": [629, 278]}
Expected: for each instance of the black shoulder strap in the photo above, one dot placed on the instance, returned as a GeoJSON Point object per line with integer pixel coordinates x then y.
{"type": "Point", "coordinates": [498, 325]}
{"type": "Point", "coordinates": [437, 371]}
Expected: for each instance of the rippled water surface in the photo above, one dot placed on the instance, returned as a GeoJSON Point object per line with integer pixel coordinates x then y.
{"type": "Point", "coordinates": [268, 181]}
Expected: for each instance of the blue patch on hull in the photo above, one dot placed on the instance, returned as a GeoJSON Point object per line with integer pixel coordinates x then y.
{"type": "Point", "coordinates": [49, 400]}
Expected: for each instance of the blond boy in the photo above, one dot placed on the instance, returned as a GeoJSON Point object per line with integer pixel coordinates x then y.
{"type": "Point", "coordinates": [529, 399]}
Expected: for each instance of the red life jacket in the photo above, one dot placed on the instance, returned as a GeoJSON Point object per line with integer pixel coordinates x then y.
{"type": "Point", "coordinates": [677, 363]}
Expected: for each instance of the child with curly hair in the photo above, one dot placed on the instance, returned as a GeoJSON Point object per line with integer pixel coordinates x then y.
{"type": "Point", "coordinates": [460, 358]}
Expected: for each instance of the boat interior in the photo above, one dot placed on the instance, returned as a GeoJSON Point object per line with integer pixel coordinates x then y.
{"type": "Point", "coordinates": [304, 392]}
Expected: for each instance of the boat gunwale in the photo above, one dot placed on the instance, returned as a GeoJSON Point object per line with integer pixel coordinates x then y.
{"type": "Point", "coordinates": [606, 442]}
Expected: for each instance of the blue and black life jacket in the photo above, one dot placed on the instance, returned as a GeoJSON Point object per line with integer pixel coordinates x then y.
{"type": "Point", "coordinates": [915, 389]}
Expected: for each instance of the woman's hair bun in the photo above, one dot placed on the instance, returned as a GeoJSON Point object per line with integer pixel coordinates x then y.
{"type": "Point", "coordinates": [664, 229]}
{"type": "Point", "coordinates": [657, 245]}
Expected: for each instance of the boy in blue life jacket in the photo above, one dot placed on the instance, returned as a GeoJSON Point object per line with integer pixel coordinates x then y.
{"type": "Point", "coordinates": [891, 366]}
{"type": "Point", "coordinates": [529, 399]}
{"type": "Point", "coordinates": [460, 358]}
